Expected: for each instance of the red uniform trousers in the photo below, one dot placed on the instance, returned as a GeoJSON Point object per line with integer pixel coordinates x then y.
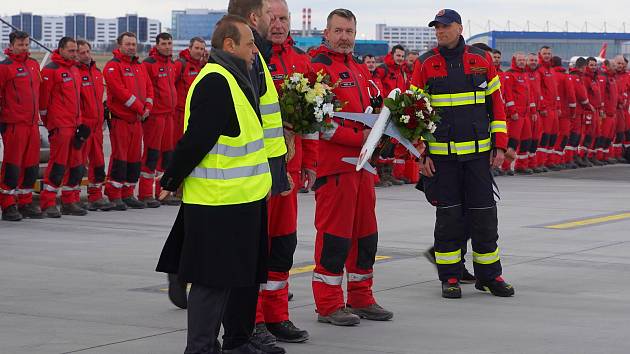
{"type": "Point", "coordinates": [548, 137]}
{"type": "Point", "coordinates": [20, 165]}
{"type": "Point", "coordinates": [273, 300]}
{"type": "Point", "coordinates": [158, 150]}
{"type": "Point", "coordinates": [606, 134]}
{"type": "Point", "coordinates": [564, 130]}
{"type": "Point", "coordinates": [626, 140]}
{"type": "Point", "coordinates": [537, 131]}
{"type": "Point", "coordinates": [124, 164]}
{"type": "Point", "coordinates": [575, 137]}
{"type": "Point", "coordinates": [65, 169]}
{"type": "Point", "coordinates": [520, 137]}
{"type": "Point", "coordinates": [178, 126]}
{"type": "Point", "coordinates": [412, 170]}
{"type": "Point", "coordinates": [620, 132]}
{"type": "Point", "coordinates": [94, 159]}
{"type": "Point", "coordinates": [347, 236]}
{"type": "Point", "coordinates": [589, 133]}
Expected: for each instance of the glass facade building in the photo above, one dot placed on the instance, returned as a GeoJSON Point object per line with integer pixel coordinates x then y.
{"type": "Point", "coordinates": [195, 23]}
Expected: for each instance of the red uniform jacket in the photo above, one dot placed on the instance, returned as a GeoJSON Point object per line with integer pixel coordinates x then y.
{"type": "Point", "coordinates": [378, 83]}
{"type": "Point", "coordinates": [623, 85]}
{"type": "Point", "coordinates": [186, 70]}
{"type": "Point", "coordinates": [287, 59]}
{"type": "Point", "coordinates": [129, 89]}
{"type": "Point", "coordinates": [92, 89]}
{"type": "Point", "coordinates": [610, 92]}
{"type": "Point", "coordinates": [566, 93]}
{"type": "Point", "coordinates": [60, 94]}
{"type": "Point", "coordinates": [581, 96]}
{"type": "Point", "coordinates": [517, 86]}
{"type": "Point", "coordinates": [594, 93]}
{"type": "Point", "coordinates": [392, 75]}
{"type": "Point", "coordinates": [345, 138]}
{"type": "Point", "coordinates": [19, 89]}
{"type": "Point", "coordinates": [548, 87]}
{"type": "Point", "coordinates": [534, 85]}
{"type": "Point", "coordinates": [161, 71]}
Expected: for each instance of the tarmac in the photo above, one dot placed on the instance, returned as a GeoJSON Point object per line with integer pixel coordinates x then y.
{"type": "Point", "coordinates": [88, 285]}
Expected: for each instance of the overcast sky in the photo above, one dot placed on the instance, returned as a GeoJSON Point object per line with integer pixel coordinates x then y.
{"type": "Point", "coordinates": [371, 12]}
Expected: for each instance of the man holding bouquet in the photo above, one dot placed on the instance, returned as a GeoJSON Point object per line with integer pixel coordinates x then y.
{"type": "Point", "coordinates": [471, 137]}
{"type": "Point", "coordinates": [345, 200]}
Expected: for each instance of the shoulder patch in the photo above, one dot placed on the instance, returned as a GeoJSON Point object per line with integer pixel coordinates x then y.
{"type": "Point", "coordinates": [298, 50]}
{"type": "Point", "coordinates": [52, 65]}
{"type": "Point", "coordinates": [475, 50]}
{"type": "Point", "coordinates": [149, 60]}
{"type": "Point", "coordinates": [322, 59]}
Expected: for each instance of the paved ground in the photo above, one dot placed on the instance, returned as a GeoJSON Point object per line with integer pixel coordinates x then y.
{"type": "Point", "coordinates": [87, 284]}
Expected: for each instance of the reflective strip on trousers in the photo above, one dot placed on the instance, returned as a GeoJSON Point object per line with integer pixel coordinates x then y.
{"type": "Point", "coordinates": [49, 188]}
{"type": "Point", "coordinates": [272, 133]}
{"type": "Point", "coordinates": [97, 185]}
{"type": "Point", "coordinates": [572, 105]}
{"type": "Point", "coordinates": [355, 277]}
{"type": "Point", "coordinates": [116, 184]}
{"type": "Point", "coordinates": [230, 173]}
{"type": "Point", "coordinates": [237, 151]}
{"type": "Point", "coordinates": [273, 285]}
{"type": "Point", "coordinates": [269, 108]}
{"type": "Point", "coordinates": [147, 175]}
{"type": "Point", "coordinates": [25, 191]}
{"type": "Point", "coordinates": [486, 258]}
{"type": "Point", "coordinates": [149, 100]}
{"type": "Point", "coordinates": [448, 257]}
{"type": "Point", "coordinates": [67, 189]}
{"type": "Point", "coordinates": [130, 101]}
{"type": "Point", "coordinates": [328, 279]}
{"type": "Point", "coordinates": [7, 192]}
{"type": "Point", "coordinates": [510, 104]}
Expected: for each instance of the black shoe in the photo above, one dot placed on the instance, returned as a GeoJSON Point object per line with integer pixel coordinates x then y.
{"type": "Point", "coordinates": [612, 161]}
{"type": "Point", "coordinates": [571, 165]}
{"type": "Point", "coordinates": [151, 203]}
{"type": "Point", "coordinates": [119, 205]}
{"type": "Point", "coordinates": [171, 200]}
{"type": "Point", "coordinates": [262, 335]}
{"type": "Point", "coordinates": [596, 162]}
{"type": "Point", "coordinates": [341, 317]}
{"type": "Point", "coordinates": [73, 209]}
{"type": "Point", "coordinates": [451, 289]}
{"type": "Point", "coordinates": [467, 278]}
{"type": "Point", "coordinates": [524, 171]}
{"type": "Point", "coordinates": [554, 167]}
{"type": "Point", "coordinates": [11, 214]}
{"type": "Point", "coordinates": [177, 292]}
{"type": "Point", "coordinates": [287, 332]}
{"type": "Point", "coordinates": [622, 160]}
{"type": "Point", "coordinates": [31, 211]}
{"type": "Point", "coordinates": [247, 348]}
{"type": "Point", "coordinates": [538, 170]}
{"type": "Point", "coordinates": [52, 212]}
{"type": "Point", "coordinates": [544, 169]}
{"type": "Point", "coordinates": [101, 204]}
{"type": "Point", "coordinates": [134, 203]}
{"type": "Point", "coordinates": [497, 286]}
{"type": "Point", "coordinates": [290, 296]}
{"type": "Point", "coordinates": [373, 312]}
{"type": "Point", "coordinates": [509, 173]}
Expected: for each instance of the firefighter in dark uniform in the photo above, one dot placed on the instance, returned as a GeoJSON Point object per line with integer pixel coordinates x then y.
{"type": "Point", "coordinates": [471, 137]}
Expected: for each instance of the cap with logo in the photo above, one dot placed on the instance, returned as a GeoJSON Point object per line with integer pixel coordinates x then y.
{"type": "Point", "coordinates": [446, 17]}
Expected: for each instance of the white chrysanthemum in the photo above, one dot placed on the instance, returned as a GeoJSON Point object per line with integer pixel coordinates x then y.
{"type": "Point", "coordinates": [319, 114]}
{"type": "Point", "coordinates": [328, 109]}
{"type": "Point", "coordinates": [405, 119]}
{"type": "Point", "coordinates": [431, 126]}
{"type": "Point", "coordinates": [295, 78]}
{"type": "Point", "coordinates": [319, 100]}
{"type": "Point", "coordinates": [420, 115]}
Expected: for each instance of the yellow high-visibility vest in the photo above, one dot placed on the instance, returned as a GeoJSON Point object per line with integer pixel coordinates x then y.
{"type": "Point", "coordinates": [271, 117]}
{"type": "Point", "coordinates": [235, 171]}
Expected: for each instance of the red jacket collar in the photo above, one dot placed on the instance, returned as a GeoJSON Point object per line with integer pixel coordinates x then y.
{"type": "Point", "coordinates": [153, 53]}
{"type": "Point", "coordinates": [324, 49]}
{"type": "Point", "coordinates": [389, 61]}
{"type": "Point", "coordinates": [120, 56]}
{"type": "Point", "coordinates": [284, 47]}
{"type": "Point", "coordinates": [543, 63]}
{"type": "Point", "coordinates": [82, 66]}
{"type": "Point", "coordinates": [16, 57]}
{"type": "Point", "coordinates": [58, 59]}
{"type": "Point", "coordinates": [185, 54]}
{"type": "Point", "coordinates": [516, 68]}
{"type": "Point", "coordinates": [559, 69]}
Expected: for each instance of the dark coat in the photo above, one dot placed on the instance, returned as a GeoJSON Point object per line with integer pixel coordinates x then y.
{"type": "Point", "coordinates": [217, 246]}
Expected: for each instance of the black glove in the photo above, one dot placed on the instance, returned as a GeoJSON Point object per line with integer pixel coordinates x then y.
{"type": "Point", "coordinates": [80, 136]}
{"type": "Point", "coordinates": [3, 127]}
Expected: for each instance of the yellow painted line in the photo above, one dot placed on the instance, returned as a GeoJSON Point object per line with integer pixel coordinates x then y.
{"type": "Point", "coordinates": [589, 221]}
{"type": "Point", "coordinates": [301, 270]}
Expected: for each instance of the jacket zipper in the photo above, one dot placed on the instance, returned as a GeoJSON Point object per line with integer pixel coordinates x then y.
{"type": "Point", "coordinates": [94, 92]}
{"type": "Point", "coordinates": [284, 67]}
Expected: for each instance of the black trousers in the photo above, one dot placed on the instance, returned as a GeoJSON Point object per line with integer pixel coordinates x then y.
{"type": "Point", "coordinates": [462, 192]}
{"type": "Point", "coordinates": [209, 307]}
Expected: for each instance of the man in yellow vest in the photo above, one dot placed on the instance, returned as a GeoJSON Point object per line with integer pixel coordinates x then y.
{"type": "Point", "coordinates": [222, 164]}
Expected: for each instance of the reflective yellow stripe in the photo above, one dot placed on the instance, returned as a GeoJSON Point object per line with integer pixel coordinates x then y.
{"type": "Point", "coordinates": [417, 89]}
{"type": "Point", "coordinates": [461, 148]}
{"type": "Point", "coordinates": [275, 145]}
{"type": "Point", "coordinates": [458, 99]}
{"type": "Point", "coordinates": [498, 126]}
{"type": "Point", "coordinates": [448, 257]}
{"type": "Point", "coordinates": [486, 258]}
{"type": "Point", "coordinates": [494, 85]}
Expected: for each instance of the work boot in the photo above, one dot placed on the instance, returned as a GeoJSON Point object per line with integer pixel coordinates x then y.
{"type": "Point", "coordinates": [544, 168]}
{"type": "Point", "coordinates": [587, 162]}
{"type": "Point", "coordinates": [119, 205]}
{"type": "Point", "coordinates": [392, 180]}
{"type": "Point", "coordinates": [101, 204]}
{"type": "Point", "coordinates": [290, 296]}
{"type": "Point", "coordinates": [497, 286]}
{"type": "Point", "coordinates": [538, 170]}
{"type": "Point", "coordinates": [612, 161]}
{"type": "Point", "coordinates": [72, 209]}
{"type": "Point", "coordinates": [31, 211]}
{"type": "Point", "coordinates": [171, 200]}
{"type": "Point", "coordinates": [52, 212]}
{"type": "Point", "coordinates": [509, 173]}
{"type": "Point", "coordinates": [262, 335]}
{"type": "Point", "coordinates": [177, 292]}
{"type": "Point", "coordinates": [571, 165]}
{"type": "Point", "coordinates": [373, 312]}
{"type": "Point", "coordinates": [467, 278]}
{"type": "Point", "coordinates": [286, 331]}
{"type": "Point", "coordinates": [622, 160]}
{"type": "Point", "coordinates": [381, 183]}
{"type": "Point", "coordinates": [250, 348]}
{"type": "Point", "coordinates": [524, 171]}
{"type": "Point", "coordinates": [341, 317]}
{"type": "Point", "coordinates": [451, 289]}
{"type": "Point", "coordinates": [11, 214]}
{"type": "Point", "coordinates": [151, 202]}
{"type": "Point", "coordinates": [134, 203]}
{"type": "Point", "coordinates": [596, 162]}
{"type": "Point", "coordinates": [554, 167]}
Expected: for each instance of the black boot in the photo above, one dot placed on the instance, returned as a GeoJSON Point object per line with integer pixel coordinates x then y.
{"type": "Point", "coordinates": [134, 203]}
{"type": "Point", "coordinates": [52, 212]}
{"type": "Point", "coordinates": [101, 204]}
{"type": "Point", "coordinates": [177, 292]}
{"type": "Point", "coordinates": [497, 286]}
{"type": "Point", "coordinates": [31, 211]}
{"type": "Point", "coordinates": [451, 289]}
{"type": "Point", "coordinates": [11, 214]}
{"type": "Point", "coordinates": [286, 331]}
{"type": "Point", "coordinates": [151, 202]}
{"type": "Point", "coordinates": [72, 209]}
{"type": "Point", "coordinates": [119, 205]}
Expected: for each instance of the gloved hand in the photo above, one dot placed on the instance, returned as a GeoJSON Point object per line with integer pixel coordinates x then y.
{"type": "Point", "coordinates": [80, 136]}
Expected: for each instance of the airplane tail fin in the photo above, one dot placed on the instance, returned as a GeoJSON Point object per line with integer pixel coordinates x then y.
{"type": "Point", "coordinates": [602, 52]}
